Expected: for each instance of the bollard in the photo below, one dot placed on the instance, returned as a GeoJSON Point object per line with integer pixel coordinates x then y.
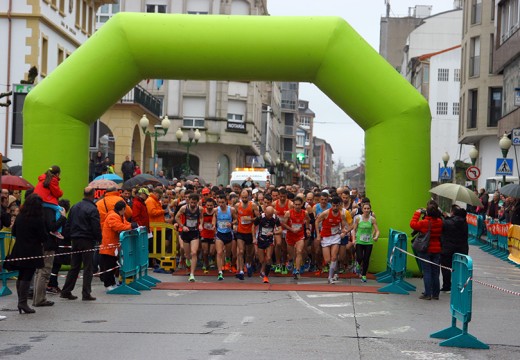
{"type": "Point", "coordinates": [397, 265]}
{"type": "Point", "coordinates": [5, 248]}
{"type": "Point", "coordinates": [460, 306]}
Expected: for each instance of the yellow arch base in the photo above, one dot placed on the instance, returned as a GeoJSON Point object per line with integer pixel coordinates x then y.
{"type": "Point", "coordinates": [322, 50]}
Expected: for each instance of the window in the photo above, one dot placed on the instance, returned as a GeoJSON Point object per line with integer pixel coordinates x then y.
{"type": "Point", "coordinates": [90, 19]}
{"type": "Point", "coordinates": [456, 108]}
{"type": "Point", "coordinates": [289, 104]}
{"type": "Point", "coordinates": [472, 108]}
{"type": "Point", "coordinates": [443, 75]}
{"type": "Point", "coordinates": [192, 123]}
{"type": "Point", "coordinates": [300, 138]}
{"type": "Point", "coordinates": [84, 16]}
{"type": "Point", "coordinates": [442, 108]}
{"type": "Point", "coordinates": [305, 121]}
{"type": "Point", "coordinates": [509, 18]}
{"type": "Point", "coordinates": [45, 56]}
{"type": "Point", "coordinates": [474, 59]}
{"type": "Point", "coordinates": [289, 124]}
{"type": "Point", "coordinates": [492, 10]}
{"type": "Point", "coordinates": [476, 11]}
{"type": "Point", "coordinates": [495, 106]}
{"type": "Point", "coordinates": [235, 117]}
{"type": "Point", "coordinates": [491, 51]}
{"type": "Point", "coordinates": [456, 75]}
{"type": "Point", "coordinates": [105, 12]}
{"type": "Point", "coordinates": [61, 55]}
{"type": "Point", "coordinates": [161, 9]}
{"type": "Point", "coordinates": [17, 130]}
{"type": "Point", "coordinates": [62, 7]}
{"type": "Point", "coordinates": [426, 74]}
{"type": "Point", "coordinates": [194, 112]}
{"type": "Point", "coordinates": [78, 13]}
{"type": "Point", "coordinates": [236, 111]}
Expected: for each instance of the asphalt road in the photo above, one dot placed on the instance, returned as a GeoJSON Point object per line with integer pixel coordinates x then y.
{"type": "Point", "coordinates": [198, 324]}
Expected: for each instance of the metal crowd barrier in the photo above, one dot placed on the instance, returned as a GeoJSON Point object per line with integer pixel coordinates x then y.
{"type": "Point", "coordinates": [396, 263]}
{"type": "Point", "coordinates": [497, 239]}
{"type": "Point", "coordinates": [475, 227]}
{"type": "Point", "coordinates": [513, 236]}
{"type": "Point", "coordinates": [133, 259]}
{"type": "Point", "coordinates": [460, 305]}
{"type": "Point", "coordinates": [6, 246]}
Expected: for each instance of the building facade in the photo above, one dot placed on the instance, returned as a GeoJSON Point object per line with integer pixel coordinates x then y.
{"type": "Point", "coordinates": [322, 162]}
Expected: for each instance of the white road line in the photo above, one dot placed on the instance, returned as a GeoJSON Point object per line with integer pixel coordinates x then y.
{"type": "Point", "coordinates": [336, 305]}
{"type": "Point", "coordinates": [180, 293]}
{"type": "Point", "coordinates": [216, 357]}
{"type": "Point", "coordinates": [247, 320]}
{"type": "Point", "coordinates": [369, 314]}
{"type": "Point", "coordinates": [391, 331]}
{"type": "Point", "coordinates": [427, 355]}
{"type": "Point", "coordinates": [298, 298]}
{"type": "Point", "coordinates": [332, 295]}
{"type": "Point", "coordinates": [233, 337]}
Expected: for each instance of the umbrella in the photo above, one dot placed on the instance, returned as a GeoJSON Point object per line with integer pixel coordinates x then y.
{"type": "Point", "coordinates": [5, 159]}
{"type": "Point", "coordinates": [113, 177]}
{"type": "Point", "coordinates": [193, 177]}
{"type": "Point", "coordinates": [512, 190]}
{"type": "Point", "coordinates": [16, 170]}
{"type": "Point", "coordinates": [141, 179]}
{"type": "Point", "coordinates": [457, 192]}
{"type": "Point", "coordinates": [12, 182]}
{"type": "Point", "coordinates": [164, 181]}
{"type": "Point", "coordinates": [102, 184]}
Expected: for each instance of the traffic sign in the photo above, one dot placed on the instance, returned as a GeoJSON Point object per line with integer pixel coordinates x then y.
{"type": "Point", "coordinates": [472, 173]}
{"type": "Point", "coordinates": [504, 166]}
{"type": "Point", "coordinates": [445, 173]}
{"type": "Point", "coordinates": [515, 136]}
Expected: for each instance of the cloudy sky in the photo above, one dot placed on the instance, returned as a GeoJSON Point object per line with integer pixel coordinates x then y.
{"type": "Point", "coordinates": [364, 16]}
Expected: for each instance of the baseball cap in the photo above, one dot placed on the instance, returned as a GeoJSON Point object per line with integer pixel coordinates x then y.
{"type": "Point", "coordinates": [143, 191]}
{"type": "Point", "coordinates": [254, 191]}
{"type": "Point", "coordinates": [205, 191]}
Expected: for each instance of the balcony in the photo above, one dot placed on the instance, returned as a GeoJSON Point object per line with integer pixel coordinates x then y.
{"type": "Point", "coordinates": [140, 96]}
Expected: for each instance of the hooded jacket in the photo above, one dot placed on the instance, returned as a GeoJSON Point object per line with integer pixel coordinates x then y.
{"type": "Point", "coordinates": [455, 235]}
{"type": "Point", "coordinates": [52, 193]}
{"type": "Point", "coordinates": [114, 224]}
{"type": "Point", "coordinates": [107, 203]}
{"type": "Point", "coordinates": [435, 232]}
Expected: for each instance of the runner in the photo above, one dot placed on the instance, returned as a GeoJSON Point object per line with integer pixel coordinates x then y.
{"type": "Point", "coordinates": [247, 211]}
{"type": "Point", "coordinates": [334, 228]}
{"type": "Point", "coordinates": [281, 206]}
{"type": "Point", "coordinates": [190, 220]}
{"type": "Point", "coordinates": [296, 222]}
{"type": "Point", "coordinates": [346, 247]}
{"type": "Point", "coordinates": [226, 217]}
{"type": "Point", "coordinates": [365, 233]}
{"type": "Point", "coordinates": [318, 209]}
{"type": "Point", "coordinates": [266, 226]}
{"type": "Point", "coordinates": [209, 221]}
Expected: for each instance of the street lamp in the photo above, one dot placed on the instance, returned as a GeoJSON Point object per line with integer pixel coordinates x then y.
{"type": "Point", "coordinates": [445, 159]}
{"type": "Point", "coordinates": [505, 144]}
{"type": "Point", "coordinates": [192, 135]}
{"type": "Point", "coordinates": [159, 130]}
{"type": "Point", "coordinates": [473, 155]}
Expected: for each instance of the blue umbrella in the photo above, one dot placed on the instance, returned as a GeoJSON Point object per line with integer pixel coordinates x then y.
{"type": "Point", "coordinates": [113, 177]}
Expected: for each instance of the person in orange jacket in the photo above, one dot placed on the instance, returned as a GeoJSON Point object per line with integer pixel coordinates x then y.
{"type": "Point", "coordinates": [107, 203]}
{"type": "Point", "coordinates": [156, 215]}
{"type": "Point", "coordinates": [115, 222]}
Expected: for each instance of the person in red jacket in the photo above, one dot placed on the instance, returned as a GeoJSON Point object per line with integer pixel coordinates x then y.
{"type": "Point", "coordinates": [139, 210]}
{"type": "Point", "coordinates": [431, 217]}
{"type": "Point", "coordinates": [48, 188]}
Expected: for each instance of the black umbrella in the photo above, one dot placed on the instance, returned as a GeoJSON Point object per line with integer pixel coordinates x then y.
{"type": "Point", "coordinates": [193, 177]}
{"type": "Point", "coordinates": [164, 181]}
{"type": "Point", "coordinates": [5, 159]}
{"type": "Point", "coordinates": [16, 170]}
{"type": "Point", "coordinates": [141, 179]}
{"type": "Point", "coordinates": [512, 190]}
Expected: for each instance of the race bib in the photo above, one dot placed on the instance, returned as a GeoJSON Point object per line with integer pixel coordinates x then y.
{"type": "Point", "coordinates": [245, 221]}
{"type": "Point", "coordinates": [297, 227]}
{"type": "Point", "coordinates": [365, 237]}
{"type": "Point", "coordinates": [191, 223]}
{"type": "Point", "coordinates": [208, 226]}
{"type": "Point", "coordinates": [222, 224]}
{"type": "Point", "coordinates": [335, 230]}
{"type": "Point", "coordinates": [266, 230]}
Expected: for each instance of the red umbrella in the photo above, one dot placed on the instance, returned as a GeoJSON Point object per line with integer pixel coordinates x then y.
{"type": "Point", "coordinates": [11, 182]}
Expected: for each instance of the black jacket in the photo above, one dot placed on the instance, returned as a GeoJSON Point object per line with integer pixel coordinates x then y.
{"type": "Point", "coordinates": [30, 234]}
{"type": "Point", "coordinates": [52, 225]}
{"type": "Point", "coordinates": [454, 235]}
{"type": "Point", "coordinates": [83, 221]}
{"type": "Point", "coordinates": [5, 218]}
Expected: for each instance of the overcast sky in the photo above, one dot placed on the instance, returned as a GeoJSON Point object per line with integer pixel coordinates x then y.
{"type": "Point", "coordinates": [331, 123]}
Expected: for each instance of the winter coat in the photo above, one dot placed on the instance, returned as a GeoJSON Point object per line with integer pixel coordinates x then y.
{"type": "Point", "coordinates": [140, 212]}
{"type": "Point", "coordinates": [114, 224]}
{"type": "Point", "coordinates": [83, 221]}
{"type": "Point", "coordinates": [454, 235]}
{"type": "Point", "coordinates": [435, 232]}
{"type": "Point", "coordinates": [30, 234]}
{"type": "Point", "coordinates": [155, 210]}
{"type": "Point", "coordinates": [52, 193]}
{"type": "Point", "coordinates": [108, 202]}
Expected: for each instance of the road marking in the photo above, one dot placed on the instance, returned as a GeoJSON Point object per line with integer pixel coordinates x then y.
{"type": "Point", "coordinates": [391, 331]}
{"type": "Point", "coordinates": [336, 305]}
{"type": "Point", "coordinates": [427, 355]}
{"type": "Point", "coordinates": [333, 295]}
{"type": "Point", "coordinates": [180, 293]}
{"type": "Point", "coordinates": [233, 337]}
{"type": "Point", "coordinates": [247, 320]}
{"type": "Point", "coordinates": [216, 357]}
{"type": "Point", "coordinates": [298, 298]}
{"type": "Point", "coordinates": [369, 314]}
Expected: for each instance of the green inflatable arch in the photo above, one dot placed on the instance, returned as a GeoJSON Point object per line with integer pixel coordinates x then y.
{"type": "Point", "coordinates": [323, 50]}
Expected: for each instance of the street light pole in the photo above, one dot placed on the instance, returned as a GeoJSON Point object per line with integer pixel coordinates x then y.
{"type": "Point", "coordinates": [473, 155]}
{"type": "Point", "coordinates": [192, 135]}
{"type": "Point", "coordinates": [165, 125]}
{"type": "Point", "coordinates": [445, 159]}
{"type": "Point", "coordinates": [505, 144]}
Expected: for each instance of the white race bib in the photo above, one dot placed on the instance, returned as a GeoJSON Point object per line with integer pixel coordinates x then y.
{"type": "Point", "coordinates": [266, 230]}
{"type": "Point", "coordinates": [191, 223]}
{"type": "Point", "coordinates": [245, 221]}
{"type": "Point", "coordinates": [297, 227]}
{"type": "Point", "coordinates": [365, 237]}
{"type": "Point", "coordinates": [222, 224]}
{"type": "Point", "coordinates": [208, 226]}
{"type": "Point", "coordinates": [335, 230]}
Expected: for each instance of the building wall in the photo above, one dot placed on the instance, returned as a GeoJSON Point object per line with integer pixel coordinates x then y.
{"type": "Point", "coordinates": [392, 38]}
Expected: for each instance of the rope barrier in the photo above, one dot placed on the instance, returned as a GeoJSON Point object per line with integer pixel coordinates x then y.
{"type": "Point", "coordinates": [467, 281]}
{"type": "Point", "coordinates": [98, 247]}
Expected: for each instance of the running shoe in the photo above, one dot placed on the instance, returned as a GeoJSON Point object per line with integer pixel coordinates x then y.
{"type": "Point", "coordinates": [296, 275]}
{"type": "Point", "coordinates": [233, 269]}
{"type": "Point", "coordinates": [249, 270]}
{"type": "Point", "coordinates": [284, 270]}
{"type": "Point", "coordinates": [277, 268]}
{"type": "Point", "coordinates": [331, 281]}
{"type": "Point", "coordinates": [226, 266]}
{"type": "Point", "coordinates": [335, 277]}
{"type": "Point", "coordinates": [357, 269]}
{"type": "Point", "coordinates": [212, 264]}
{"type": "Point", "coordinates": [240, 275]}
{"type": "Point", "coordinates": [325, 268]}
{"type": "Point", "coordinates": [220, 277]}
{"type": "Point", "coordinates": [191, 278]}
{"type": "Point", "coordinates": [205, 270]}
{"type": "Point", "coordinates": [306, 267]}
{"type": "Point", "coordinates": [363, 278]}
{"type": "Point", "coordinates": [289, 266]}
{"type": "Point", "coordinates": [266, 280]}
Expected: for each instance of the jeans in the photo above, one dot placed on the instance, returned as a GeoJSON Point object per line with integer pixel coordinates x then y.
{"type": "Point", "coordinates": [431, 274]}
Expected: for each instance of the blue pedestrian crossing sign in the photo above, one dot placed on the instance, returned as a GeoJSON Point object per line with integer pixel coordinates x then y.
{"type": "Point", "coordinates": [445, 173]}
{"type": "Point", "coordinates": [504, 166]}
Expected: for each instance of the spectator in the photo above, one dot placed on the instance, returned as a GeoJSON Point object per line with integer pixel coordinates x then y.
{"type": "Point", "coordinates": [127, 168]}
{"type": "Point", "coordinates": [454, 240]}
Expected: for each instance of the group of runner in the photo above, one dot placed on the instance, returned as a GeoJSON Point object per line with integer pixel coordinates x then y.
{"type": "Point", "coordinates": [248, 232]}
